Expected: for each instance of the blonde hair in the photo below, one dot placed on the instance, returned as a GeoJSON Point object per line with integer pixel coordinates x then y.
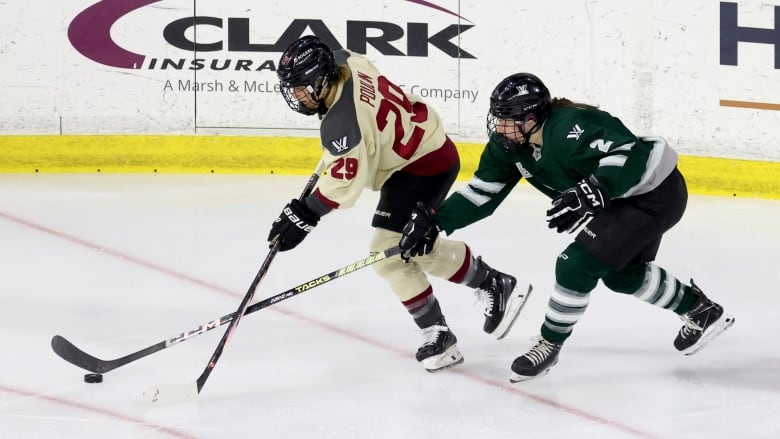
{"type": "Point", "coordinates": [343, 73]}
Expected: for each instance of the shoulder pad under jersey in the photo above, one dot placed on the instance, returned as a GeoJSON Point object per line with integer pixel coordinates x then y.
{"type": "Point", "coordinates": [339, 130]}
{"type": "Point", "coordinates": [341, 56]}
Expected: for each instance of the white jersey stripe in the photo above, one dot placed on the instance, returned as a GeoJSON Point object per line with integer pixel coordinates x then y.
{"type": "Point", "coordinates": [486, 186]}
{"type": "Point", "coordinates": [613, 160]}
{"type": "Point", "coordinates": [474, 197]}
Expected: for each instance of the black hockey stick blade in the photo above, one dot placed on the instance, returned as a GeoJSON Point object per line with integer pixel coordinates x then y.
{"type": "Point", "coordinates": [72, 354]}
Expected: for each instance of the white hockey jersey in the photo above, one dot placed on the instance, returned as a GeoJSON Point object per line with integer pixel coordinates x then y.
{"type": "Point", "coordinates": [372, 129]}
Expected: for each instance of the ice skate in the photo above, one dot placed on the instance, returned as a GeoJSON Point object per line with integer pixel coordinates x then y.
{"type": "Point", "coordinates": [536, 362]}
{"type": "Point", "coordinates": [504, 299]}
{"type": "Point", "coordinates": [440, 350]}
{"type": "Point", "coordinates": [703, 322]}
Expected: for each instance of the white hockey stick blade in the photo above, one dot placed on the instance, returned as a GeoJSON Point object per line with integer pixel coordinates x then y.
{"type": "Point", "coordinates": [171, 394]}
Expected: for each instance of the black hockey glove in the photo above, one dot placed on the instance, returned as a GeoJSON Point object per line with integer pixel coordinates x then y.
{"type": "Point", "coordinates": [576, 205]}
{"type": "Point", "coordinates": [292, 225]}
{"type": "Point", "coordinates": [419, 233]}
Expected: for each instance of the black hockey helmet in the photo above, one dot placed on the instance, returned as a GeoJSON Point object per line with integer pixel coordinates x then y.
{"type": "Point", "coordinates": [308, 63]}
{"type": "Point", "coordinates": [520, 97]}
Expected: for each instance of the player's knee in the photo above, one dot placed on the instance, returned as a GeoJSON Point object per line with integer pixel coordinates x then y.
{"type": "Point", "coordinates": [381, 241]}
{"type": "Point", "coordinates": [578, 270]}
{"type": "Point", "coordinates": [446, 259]}
{"type": "Point", "coordinates": [405, 279]}
{"type": "Point", "coordinates": [626, 281]}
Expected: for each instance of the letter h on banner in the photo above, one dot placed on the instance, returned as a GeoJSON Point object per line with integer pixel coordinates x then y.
{"type": "Point", "coordinates": [731, 34]}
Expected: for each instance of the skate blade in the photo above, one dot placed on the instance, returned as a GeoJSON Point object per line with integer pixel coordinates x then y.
{"type": "Point", "coordinates": [517, 301]}
{"type": "Point", "coordinates": [715, 330]}
{"type": "Point", "coordinates": [449, 358]}
{"type": "Point", "coordinates": [516, 378]}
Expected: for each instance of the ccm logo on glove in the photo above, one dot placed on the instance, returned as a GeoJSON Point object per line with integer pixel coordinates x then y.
{"type": "Point", "coordinates": [576, 205]}
{"type": "Point", "coordinates": [594, 199]}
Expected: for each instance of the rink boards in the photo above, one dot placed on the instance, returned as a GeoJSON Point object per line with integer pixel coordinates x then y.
{"type": "Point", "coordinates": [297, 156]}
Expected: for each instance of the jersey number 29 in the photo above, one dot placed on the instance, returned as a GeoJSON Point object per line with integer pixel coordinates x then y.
{"type": "Point", "coordinates": [394, 101]}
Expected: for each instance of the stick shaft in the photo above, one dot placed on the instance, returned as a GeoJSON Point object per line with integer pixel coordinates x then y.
{"type": "Point", "coordinates": [72, 354]}
{"type": "Point", "coordinates": [252, 288]}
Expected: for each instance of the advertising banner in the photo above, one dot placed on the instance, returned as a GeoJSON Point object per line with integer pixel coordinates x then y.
{"type": "Point", "coordinates": [704, 74]}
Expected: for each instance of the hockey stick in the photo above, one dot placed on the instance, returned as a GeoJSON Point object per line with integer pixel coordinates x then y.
{"type": "Point", "coordinates": [189, 391]}
{"type": "Point", "coordinates": [73, 355]}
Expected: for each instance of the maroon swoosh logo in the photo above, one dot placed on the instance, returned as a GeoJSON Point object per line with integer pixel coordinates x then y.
{"type": "Point", "coordinates": [438, 8]}
{"type": "Point", "coordinates": [90, 33]}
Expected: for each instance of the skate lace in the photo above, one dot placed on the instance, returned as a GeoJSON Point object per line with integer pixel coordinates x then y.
{"type": "Point", "coordinates": [487, 297]}
{"type": "Point", "coordinates": [432, 334]}
{"type": "Point", "coordinates": [690, 327]}
{"type": "Point", "coordinates": [540, 351]}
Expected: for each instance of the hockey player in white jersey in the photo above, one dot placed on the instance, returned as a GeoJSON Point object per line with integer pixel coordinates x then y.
{"type": "Point", "coordinates": [376, 136]}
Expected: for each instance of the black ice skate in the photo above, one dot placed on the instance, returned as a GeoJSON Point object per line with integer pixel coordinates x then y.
{"type": "Point", "coordinates": [703, 322]}
{"type": "Point", "coordinates": [440, 350]}
{"type": "Point", "coordinates": [536, 362]}
{"type": "Point", "coordinates": [504, 300]}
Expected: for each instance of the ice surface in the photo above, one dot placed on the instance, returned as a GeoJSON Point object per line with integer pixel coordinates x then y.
{"type": "Point", "coordinates": [116, 263]}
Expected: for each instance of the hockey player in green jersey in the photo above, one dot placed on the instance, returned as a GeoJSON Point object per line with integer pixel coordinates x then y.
{"type": "Point", "coordinates": [376, 136]}
{"type": "Point", "coordinates": [619, 192]}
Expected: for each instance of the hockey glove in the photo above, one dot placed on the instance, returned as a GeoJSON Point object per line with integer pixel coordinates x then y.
{"type": "Point", "coordinates": [292, 225]}
{"type": "Point", "coordinates": [576, 205]}
{"type": "Point", "coordinates": [419, 233]}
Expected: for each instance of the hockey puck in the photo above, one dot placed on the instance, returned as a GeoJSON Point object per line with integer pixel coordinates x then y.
{"type": "Point", "coordinates": [93, 378]}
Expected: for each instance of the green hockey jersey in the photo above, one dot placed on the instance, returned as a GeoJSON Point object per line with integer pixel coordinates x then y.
{"type": "Point", "coordinates": [576, 143]}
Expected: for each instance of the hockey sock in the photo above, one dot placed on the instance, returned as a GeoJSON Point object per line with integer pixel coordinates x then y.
{"type": "Point", "coordinates": [661, 289]}
{"type": "Point", "coordinates": [564, 310]}
{"type": "Point", "coordinates": [424, 308]}
{"type": "Point", "coordinates": [576, 274]}
{"type": "Point", "coordinates": [472, 273]}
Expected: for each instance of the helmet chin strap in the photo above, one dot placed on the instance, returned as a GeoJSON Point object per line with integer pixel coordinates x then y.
{"type": "Point", "coordinates": [527, 134]}
{"type": "Point", "coordinates": [321, 109]}
{"type": "Point", "coordinates": [315, 97]}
